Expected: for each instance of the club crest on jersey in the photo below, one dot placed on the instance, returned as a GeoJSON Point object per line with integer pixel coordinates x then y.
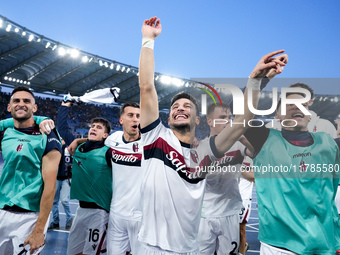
{"type": "Point", "coordinates": [19, 147]}
{"type": "Point", "coordinates": [303, 167]}
{"type": "Point", "coordinates": [135, 147]}
{"type": "Point", "coordinates": [194, 156]}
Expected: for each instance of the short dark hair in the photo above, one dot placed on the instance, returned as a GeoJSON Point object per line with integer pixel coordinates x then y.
{"type": "Point", "coordinates": [304, 86]}
{"type": "Point", "coordinates": [103, 121]}
{"type": "Point", "coordinates": [288, 94]}
{"type": "Point", "coordinates": [22, 88]}
{"type": "Point", "coordinates": [186, 95]}
{"type": "Point", "coordinates": [213, 106]}
{"type": "Point", "coordinates": [126, 104]}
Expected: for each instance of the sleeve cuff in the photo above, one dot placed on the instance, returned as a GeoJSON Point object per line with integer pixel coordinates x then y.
{"type": "Point", "coordinates": [150, 126]}
{"type": "Point", "coordinates": [213, 147]}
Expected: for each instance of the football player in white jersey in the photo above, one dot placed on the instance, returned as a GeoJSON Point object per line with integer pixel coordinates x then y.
{"type": "Point", "coordinates": [126, 155]}
{"type": "Point", "coordinates": [219, 226]}
{"type": "Point", "coordinates": [172, 189]}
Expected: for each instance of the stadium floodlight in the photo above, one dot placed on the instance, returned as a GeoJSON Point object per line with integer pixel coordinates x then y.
{"type": "Point", "coordinates": [61, 51]}
{"type": "Point", "coordinates": [10, 78]}
{"type": "Point", "coordinates": [90, 60]}
{"type": "Point", "coordinates": [123, 69]}
{"type": "Point", "coordinates": [106, 64]}
{"type": "Point", "coordinates": [16, 30]}
{"type": "Point", "coordinates": [54, 47]}
{"type": "Point", "coordinates": [6, 78]}
{"type": "Point", "coordinates": [85, 59]}
{"type": "Point", "coordinates": [325, 99]}
{"type": "Point", "coordinates": [31, 38]}
{"type": "Point", "coordinates": [137, 74]}
{"type": "Point", "coordinates": [157, 77]}
{"type": "Point", "coordinates": [74, 53]}
{"type": "Point", "coordinates": [186, 84]}
{"type": "Point", "coordinates": [112, 66]}
{"type": "Point", "coordinates": [25, 82]}
{"type": "Point", "coordinates": [166, 79]}
{"type": "Point", "coordinates": [47, 45]}
{"type": "Point", "coordinates": [28, 83]}
{"type": "Point", "coordinates": [100, 62]}
{"type": "Point", "coordinates": [39, 39]}
{"type": "Point", "coordinates": [118, 67]}
{"type": "Point", "coordinates": [14, 80]}
{"type": "Point", "coordinates": [177, 82]}
{"type": "Point", "coordinates": [8, 28]}
{"type": "Point", "coordinates": [128, 70]}
{"type": "Point", "coordinates": [21, 81]}
{"type": "Point", "coordinates": [23, 33]}
{"type": "Point", "coordinates": [336, 99]}
{"type": "Point", "coordinates": [1, 22]}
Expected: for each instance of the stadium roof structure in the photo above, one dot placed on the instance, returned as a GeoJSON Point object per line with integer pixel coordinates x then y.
{"type": "Point", "coordinates": [45, 65]}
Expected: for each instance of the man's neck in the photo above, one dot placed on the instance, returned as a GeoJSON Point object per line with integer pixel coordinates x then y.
{"type": "Point", "coordinates": [184, 137]}
{"type": "Point", "coordinates": [24, 124]}
{"type": "Point", "coordinates": [130, 138]}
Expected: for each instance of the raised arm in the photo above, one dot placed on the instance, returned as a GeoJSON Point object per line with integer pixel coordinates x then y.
{"type": "Point", "coordinates": [49, 171]}
{"type": "Point", "coordinates": [148, 94]}
{"type": "Point", "coordinates": [231, 133]}
{"type": "Point", "coordinates": [63, 127]}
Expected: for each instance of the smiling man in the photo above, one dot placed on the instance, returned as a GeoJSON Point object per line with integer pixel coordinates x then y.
{"type": "Point", "coordinates": [172, 190]}
{"type": "Point", "coordinates": [28, 178]}
{"type": "Point", "coordinates": [296, 190]}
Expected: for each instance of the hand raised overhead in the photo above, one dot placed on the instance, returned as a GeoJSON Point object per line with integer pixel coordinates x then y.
{"type": "Point", "coordinates": [151, 28]}
{"type": "Point", "coordinates": [266, 63]}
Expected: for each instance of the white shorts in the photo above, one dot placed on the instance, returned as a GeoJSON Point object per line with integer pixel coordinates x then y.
{"type": "Point", "coordinates": [337, 200]}
{"type": "Point", "coordinates": [15, 227]}
{"type": "Point", "coordinates": [122, 235]}
{"type": "Point", "coordinates": [267, 249]}
{"type": "Point", "coordinates": [145, 249]}
{"type": "Point", "coordinates": [245, 211]}
{"type": "Point", "coordinates": [219, 234]}
{"type": "Point", "coordinates": [88, 232]}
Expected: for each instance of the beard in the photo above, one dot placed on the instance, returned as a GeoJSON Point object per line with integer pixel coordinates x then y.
{"type": "Point", "coordinates": [22, 118]}
{"type": "Point", "coordinates": [181, 128]}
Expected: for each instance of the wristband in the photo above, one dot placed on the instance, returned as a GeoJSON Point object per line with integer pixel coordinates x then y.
{"type": "Point", "coordinates": [254, 83]}
{"type": "Point", "coordinates": [148, 43]}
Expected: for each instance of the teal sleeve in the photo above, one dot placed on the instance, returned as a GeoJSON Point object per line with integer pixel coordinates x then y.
{"type": "Point", "coordinates": [39, 119]}
{"type": "Point", "coordinates": [6, 123]}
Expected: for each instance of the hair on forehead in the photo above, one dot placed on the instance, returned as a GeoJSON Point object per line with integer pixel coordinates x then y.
{"type": "Point", "coordinates": [127, 104]}
{"type": "Point", "coordinates": [104, 122]}
{"type": "Point", "coordinates": [288, 94]}
{"type": "Point", "coordinates": [211, 108]}
{"type": "Point", "coordinates": [185, 95]}
{"type": "Point", "coordinates": [22, 88]}
{"type": "Point", "coordinates": [304, 86]}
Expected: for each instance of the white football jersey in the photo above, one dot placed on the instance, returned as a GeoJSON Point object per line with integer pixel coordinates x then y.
{"type": "Point", "coordinates": [126, 175]}
{"type": "Point", "coordinates": [172, 195]}
{"type": "Point", "coordinates": [222, 196]}
{"type": "Point", "coordinates": [245, 186]}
